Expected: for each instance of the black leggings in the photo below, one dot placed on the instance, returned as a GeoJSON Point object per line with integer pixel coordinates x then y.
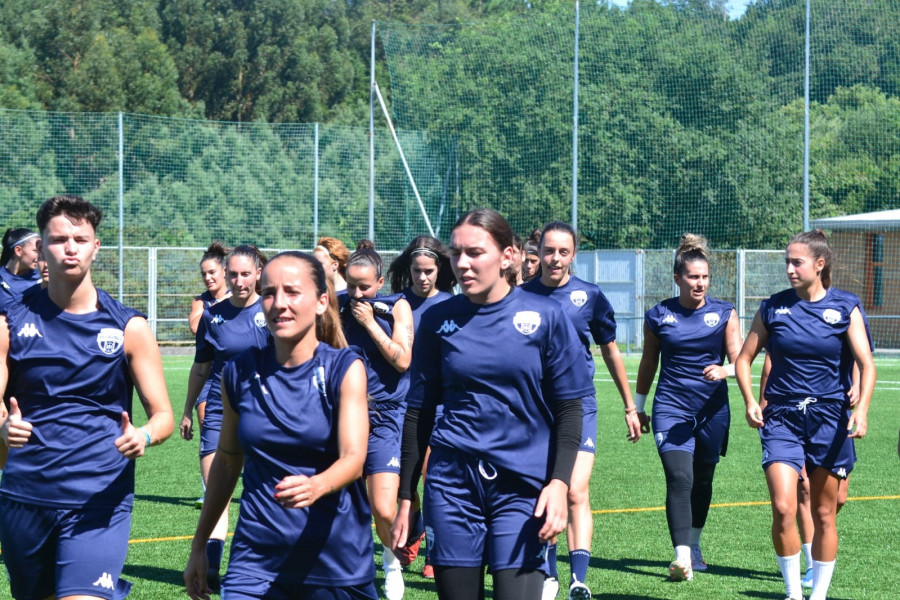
{"type": "Point", "coordinates": [688, 494]}
{"type": "Point", "coordinates": [467, 583]}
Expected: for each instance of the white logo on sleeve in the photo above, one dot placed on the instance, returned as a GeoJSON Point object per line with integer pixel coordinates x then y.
{"type": "Point", "coordinates": [449, 326]}
{"type": "Point", "coordinates": [589, 443]}
{"type": "Point", "coordinates": [110, 340]}
{"type": "Point", "coordinates": [711, 319]}
{"type": "Point", "coordinates": [527, 321]}
{"type": "Point", "coordinates": [105, 581]}
{"type": "Point", "coordinates": [259, 320]}
{"type": "Point", "coordinates": [578, 297]}
{"type": "Point", "coordinates": [29, 330]}
{"type": "Point", "coordinates": [831, 316]}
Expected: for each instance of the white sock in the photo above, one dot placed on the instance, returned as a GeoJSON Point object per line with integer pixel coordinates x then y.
{"type": "Point", "coordinates": [790, 571]}
{"type": "Point", "coordinates": [822, 572]}
{"type": "Point", "coordinates": [807, 554]}
{"type": "Point", "coordinates": [696, 532]}
{"type": "Point", "coordinates": [683, 554]}
{"type": "Point", "coordinates": [389, 560]}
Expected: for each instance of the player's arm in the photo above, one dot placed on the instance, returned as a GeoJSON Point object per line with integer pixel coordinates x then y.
{"type": "Point", "coordinates": [4, 379]}
{"type": "Point", "coordinates": [756, 341]}
{"type": "Point", "coordinates": [195, 314]}
{"type": "Point", "coordinates": [396, 348]}
{"type": "Point", "coordinates": [196, 379]}
{"type": "Point", "coordinates": [300, 491]}
{"type": "Point", "coordinates": [145, 366]}
{"type": "Point", "coordinates": [616, 367]}
{"type": "Point", "coordinates": [645, 375]}
{"type": "Point", "coordinates": [763, 379]}
{"type": "Point", "coordinates": [862, 353]}
{"type": "Point", "coordinates": [732, 349]}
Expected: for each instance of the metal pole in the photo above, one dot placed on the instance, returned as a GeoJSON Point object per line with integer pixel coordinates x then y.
{"type": "Point", "coordinates": [121, 209]}
{"type": "Point", "coordinates": [575, 130]}
{"type": "Point", "coordinates": [806, 128]}
{"type": "Point", "coordinates": [372, 136]}
{"type": "Point", "coordinates": [316, 186]}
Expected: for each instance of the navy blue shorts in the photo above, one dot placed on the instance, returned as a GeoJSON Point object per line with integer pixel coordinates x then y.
{"type": "Point", "coordinates": [385, 427]}
{"type": "Point", "coordinates": [63, 552]}
{"type": "Point", "coordinates": [244, 587]}
{"type": "Point", "coordinates": [704, 435]}
{"type": "Point", "coordinates": [809, 432]}
{"type": "Point", "coordinates": [481, 515]}
{"type": "Point", "coordinates": [209, 439]}
{"type": "Point", "coordinates": [589, 431]}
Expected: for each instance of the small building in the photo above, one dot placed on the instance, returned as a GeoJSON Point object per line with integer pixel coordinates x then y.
{"type": "Point", "coordinates": [867, 262]}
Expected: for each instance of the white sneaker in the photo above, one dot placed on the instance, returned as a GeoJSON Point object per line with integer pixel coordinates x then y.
{"type": "Point", "coordinates": [697, 562]}
{"type": "Point", "coordinates": [680, 571]}
{"type": "Point", "coordinates": [393, 582]}
{"type": "Point", "coordinates": [807, 581]}
{"type": "Point", "coordinates": [551, 588]}
{"type": "Point", "coordinates": [579, 591]}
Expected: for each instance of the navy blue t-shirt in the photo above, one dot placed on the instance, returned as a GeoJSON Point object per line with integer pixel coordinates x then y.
{"type": "Point", "coordinates": [498, 369]}
{"type": "Point", "coordinates": [226, 331]}
{"type": "Point", "coordinates": [808, 344]}
{"type": "Point", "coordinates": [289, 426]}
{"type": "Point", "coordinates": [419, 305]}
{"type": "Point", "coordinates": [70, 376]}
{"type": "Point", "coordinates": [690, 340]}
{"type": "Point", "coordinates": [13, 286]}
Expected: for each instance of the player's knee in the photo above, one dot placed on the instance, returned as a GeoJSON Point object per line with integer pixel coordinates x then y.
{"type": "Point", "coordinates": [579, 495]}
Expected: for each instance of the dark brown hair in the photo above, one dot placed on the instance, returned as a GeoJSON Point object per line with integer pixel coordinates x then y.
{"type": "Point", "coordinates": [817, 242]}
{"type": "Point", "coordinates": [422, 245]}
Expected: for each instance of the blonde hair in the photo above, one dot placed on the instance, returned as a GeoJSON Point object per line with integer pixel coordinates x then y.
{"type": "Point", "coordinates": [692, 247]}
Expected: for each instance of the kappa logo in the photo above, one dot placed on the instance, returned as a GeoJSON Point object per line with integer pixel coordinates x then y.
{"type": "Point", "coordinates": [218, 319]}
{"type": "Point", "coordinates": [394, 462]}
{"type": "Point", "coordinates": [578, 298]}
{"type": "Point", "coordinates": [29, 330]}
{"type": "Point", "coordinates": [105, 581]}
{"type": "Point", "coordinates": [711, 319]}
{"type": "Point", "coordinates": [110, 340]}
{"type": "Point", "coordinates": [782, 310]}
{"type": "Point", "coordinates": [842, 473]}
{"type": "Point", "coordinates": [831, 316]}
{"type": "Point", "coordinates": [449, 326]}
{"type": "Point", "coordinates": [542, 553]}
{"type": "Point", "coordinates": [259, 320]}
{"type": "Point", "coordinates": [660, 439]}
{"type": "Point", "coordinates": [4, 285]}
{"type": "Point", "coordinates": [527, 321]}
{"type": "Point", "coordinates": [670, 318]}
{"type": "Point", "coordinates": [589, 443]}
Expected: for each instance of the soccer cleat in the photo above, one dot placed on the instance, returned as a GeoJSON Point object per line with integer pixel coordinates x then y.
{"type": "Point", "coordinates": [807, 581]}
{"type": "Point", "coordinates": [393, 582]}
{"type": "Point", "coordinates": [697, 562]}
{"type": "Point", "coordinates": [680, 571]}
{"type": "Point", "coordinates": [551, 588]}
{"type": "Point", "coordinates": [408, 553]}
{"type": "Point", "coordinates": [428, 571]}
{"type": "Point", "coordinates": [579, 591]}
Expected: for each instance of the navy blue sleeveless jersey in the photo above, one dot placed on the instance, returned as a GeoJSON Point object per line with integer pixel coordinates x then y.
{"type": "Point", "coordinates": [808, 344]}
{"type": "Point", "coordinates": [289, 426]}
{"type": "Point", "coordinates": [209, 300]}
{"type": "Point", "coordinates": [498, 369]}
{"type": "Point", "coordinates": [13, 286]}
{"type": "Point", "coordinates": [690, 340]}
{"type": "Point", "coordinates": [386, 384]}
{"type": "Point", "coordinates": [419, 305]}
{"type": "Point", "coordinates": [70, 376]}
{"type": "Point", "coordinates": [226, 331]}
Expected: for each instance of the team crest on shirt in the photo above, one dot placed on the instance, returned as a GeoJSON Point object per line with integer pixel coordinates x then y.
{"type": "Point", "coordinates": [578, 298]}
{"type": "Point", "coordinates": [527, 321]}
{"type": "Point", "coordinates": [831, 316]}
{"type": "Point", "coordinates": [259, 320]}
{"type": "Point", "coordinates": [110, 340]}
{"type": "Point", "coordinates": [711, 319]}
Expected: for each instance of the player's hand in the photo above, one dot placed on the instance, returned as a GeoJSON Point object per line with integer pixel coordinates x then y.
{"type": "Point", "coordinates": [195, 575]}
{"type": "Point", "coordinates": [644, 418]}
{"type": "Point", "coordinates": [858, 424]}
{"type": "Point", "coordinates": [362, 312]}
{"type": "Point", "coordinates": [132, 443]}
{"type": "Point", "coordinates": [853, 395]}
{"type": "Point", "coordinates": [553, 506]}
{"type": "Point", "coordinates": [400, 528]}
{"type": "Point", "coordinates": [754, 415]}
{"type": "Point", "coordinates": [634, 426]}
{"type": "Point", "coordinates": [297, 491]}
{"type": "Point", "coordinates": [715, 373]}
{"type": "Point", "coordinates": [15, 431]}
{"type": "Point", "coordinates": [187, 427]}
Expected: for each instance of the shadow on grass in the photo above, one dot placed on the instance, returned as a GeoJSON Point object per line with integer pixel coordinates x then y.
{"type": "Point", "coordinates": [756, 594]}
{"type": "Point", "coordinates": [157, 574]}
{"type": "Point", "coordinates": [655, 568]}
{"type": "Point", "coordinates": [176, 501]}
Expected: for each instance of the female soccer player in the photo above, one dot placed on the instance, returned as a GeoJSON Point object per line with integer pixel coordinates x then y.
{"type": "Point", "coordinates": [70, 357]}
{"type": "Point", "coordinates": [295, 420]}
{"type": "Point", "coordinates": [19, 264]}
{"type": "Point", "coordinates": [693, 333]}
{"type": "Point", "coordinates": [815, 333]}
{"type": "Point", "coordinates": [531, 263]}
{"type": "Point", "coordinates": [593, 317]}
{"type": "Point", "coordinates": [384, 339]}
{"type": "Point", "coordinates": [212, 271]}
{"type": "Point", "coordinates": [510, 372]}
{"type": "Point", "coordinates": [226, 330]}
{"type": "Point", "coordinates": [333, 255]}
{"type": "Point", "coordinates": [422, 273]}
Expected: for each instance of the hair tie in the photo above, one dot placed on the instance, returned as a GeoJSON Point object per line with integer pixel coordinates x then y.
{"type": "Point", "coordinates": [326, 251]}
{"type": "Point", "coordinates": [23, 240]}
{"type": "Point", "coordinates": [427, 252]}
